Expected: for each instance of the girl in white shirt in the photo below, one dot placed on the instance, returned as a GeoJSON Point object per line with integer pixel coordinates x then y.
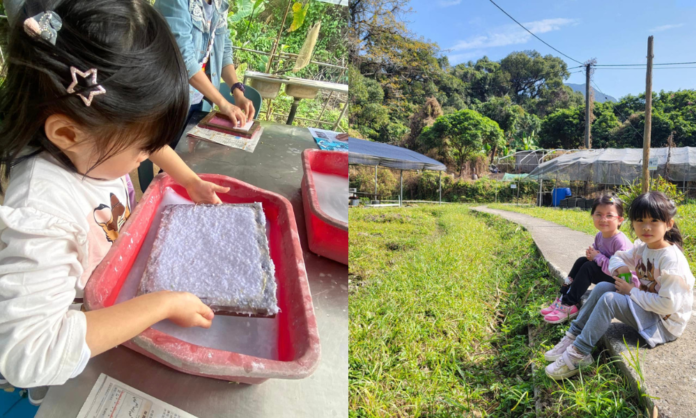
{"type": "Point", "coordinates": [93, 88]}
{"type": "Point", "coordinates": [659, 308]}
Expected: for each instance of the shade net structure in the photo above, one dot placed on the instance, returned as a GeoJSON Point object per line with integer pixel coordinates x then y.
{"type": "Point", "coordinates": [618, 166]}
{"type": "Point", "coordinates": [376, 153]}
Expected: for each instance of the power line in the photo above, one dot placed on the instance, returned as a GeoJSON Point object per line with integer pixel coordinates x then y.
{"type": "Point", "coordinates": [522, 26]}
{"type": "Point", "coordinates": [643, 65]}
{"type": "Point", "coordinates": [643, 68]}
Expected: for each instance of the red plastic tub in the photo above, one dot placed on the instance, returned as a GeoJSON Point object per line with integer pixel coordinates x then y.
{"type": "Point", "coordinates": [327, 236]}
{"type": "Point", "coordinates": [298, 347]}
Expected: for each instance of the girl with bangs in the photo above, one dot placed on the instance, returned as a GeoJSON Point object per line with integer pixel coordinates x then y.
{"type": "Point", "coordinates": [93, 88]}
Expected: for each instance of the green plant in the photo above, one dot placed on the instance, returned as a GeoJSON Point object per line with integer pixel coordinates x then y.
{"type": "Point", "coordinates": [630, 191]}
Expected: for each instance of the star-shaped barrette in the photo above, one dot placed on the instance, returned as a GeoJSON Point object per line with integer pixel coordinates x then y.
{"type": "Point", "coordinates": [98, 89]}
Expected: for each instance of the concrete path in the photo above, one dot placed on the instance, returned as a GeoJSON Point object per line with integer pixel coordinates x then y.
{"type": "Point", "coordinates": [669, 370]}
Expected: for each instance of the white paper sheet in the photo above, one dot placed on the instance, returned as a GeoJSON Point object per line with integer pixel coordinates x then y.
{"type": "Point", "coordinates": [113, 399]}
{"type": "Point", "coordinates": [229, 140]}
{"type": "Point", "coordinates": [256, 337]}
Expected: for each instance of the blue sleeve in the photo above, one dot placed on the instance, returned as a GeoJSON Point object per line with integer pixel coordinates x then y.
{"type": "Point", "coordinates": [177, 15]}
{"type": "Point", "coordinates": [227, 57]}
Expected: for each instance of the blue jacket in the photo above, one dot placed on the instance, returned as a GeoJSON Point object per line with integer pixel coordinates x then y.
{"type": "Point", "coordinates": [192, 32]}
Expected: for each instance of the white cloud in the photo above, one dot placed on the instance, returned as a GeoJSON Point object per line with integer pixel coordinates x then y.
{"type": "Point", "coordinates": [447, 3]}
{"type": "Point", "coordinates": [512, 35]}
{"type": "Point", "coordinates": [455, 59]}
{"type": "Point", "coordinates": [666, 27]}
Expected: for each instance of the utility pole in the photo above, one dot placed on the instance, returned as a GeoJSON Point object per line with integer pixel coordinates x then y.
{"type": "Point", "coordinates": [589, 98]}
{"type": "Point", "coordinates": [588, 110]}
{"type": "Point", "coordinates": [648, 117]}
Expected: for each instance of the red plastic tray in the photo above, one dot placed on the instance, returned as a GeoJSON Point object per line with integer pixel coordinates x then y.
{"type": "Point", "coordinates": [298, 340]}
{"type": "Point", "coordinates": [327, 236]}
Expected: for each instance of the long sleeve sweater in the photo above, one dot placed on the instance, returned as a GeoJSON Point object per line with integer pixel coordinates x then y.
{"type": "Point", "coordinates": [666, 283]}
{"type": "Point", "coordinates": [55, 228]}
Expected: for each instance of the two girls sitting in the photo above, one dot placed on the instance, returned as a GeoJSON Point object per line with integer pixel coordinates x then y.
{"type": "Point", "coordinates": [657, 301]}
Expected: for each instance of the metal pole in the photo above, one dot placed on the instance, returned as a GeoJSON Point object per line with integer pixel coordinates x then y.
{"type": "Point", "coordinates": [540, 182]}
{"type": "Point", "coordinates": [375, 182]}
{"type": "Point", "coordinates": [401, 193]}
{"type": "Point", "coordinates": [439, 185]}
{"type": "Point", "coordinates": [648, 118]}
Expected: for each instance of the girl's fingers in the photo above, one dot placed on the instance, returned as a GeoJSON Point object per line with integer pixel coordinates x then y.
{"type": "Point", "coordinates": [219, 189]}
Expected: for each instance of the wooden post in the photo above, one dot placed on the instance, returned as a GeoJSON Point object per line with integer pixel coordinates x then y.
{"type": "Point", "coordinates": [277, 41]}
{"type": "Point", "coordinates": [588, 116]}
{"type": "Point", "coordinates": [648, 117]}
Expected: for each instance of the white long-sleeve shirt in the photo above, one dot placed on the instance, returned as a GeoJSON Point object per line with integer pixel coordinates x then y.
{"type": "Point", "coordinates": [666, 283]}
{"type": "Point", "coordinates": [55, 228]}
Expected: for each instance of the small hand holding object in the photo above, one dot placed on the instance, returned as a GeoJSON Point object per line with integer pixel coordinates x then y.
{"type": "Point", "coordinates": [591, 253]}
{"type": "Point", "coordinates": [186, 310]}
{"type": "Point", "coordinates": [236, 114]}
{"type": "Point", "coordinates": [622, 286]}
{"type": "Point", "coordinates": [201, 191]}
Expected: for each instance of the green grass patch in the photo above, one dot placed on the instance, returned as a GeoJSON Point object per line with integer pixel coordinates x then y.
{"type": "Point", "coordinates": [581, 221]}
{"type": "Point", "coordinates": [441, 304]}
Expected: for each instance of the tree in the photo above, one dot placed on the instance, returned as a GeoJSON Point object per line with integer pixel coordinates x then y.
{"type": "Point", "coordinates": [530, 73]}
{"type": "Point", "coordinates": [563, 129]}
{"type": "Point", "coordinates": [461, 134]}
{"type": "Point", "coordinates": [506, 114]}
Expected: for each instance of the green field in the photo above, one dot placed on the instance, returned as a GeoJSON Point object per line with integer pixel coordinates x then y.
{"type": "Point", "coordinates": [442, 304]}
{"type": "Point", "coordinates": [581, 221]}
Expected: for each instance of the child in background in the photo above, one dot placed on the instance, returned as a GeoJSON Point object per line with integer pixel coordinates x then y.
{"type": "Point", "coordinates": [93, 88]}
{"type": "Point", "coordinates": [658, 308]}
{"type": "Point", "coordinates": [607, 215]}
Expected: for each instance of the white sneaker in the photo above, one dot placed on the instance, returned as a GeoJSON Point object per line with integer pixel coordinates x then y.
{"type": "Point", "coordinates": [556, 352]}
{"type": "Point", "coordinates": [568, 365]}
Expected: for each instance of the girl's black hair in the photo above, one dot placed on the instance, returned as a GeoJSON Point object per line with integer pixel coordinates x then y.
{"type": "Point", "coordinates": [137, 61]}
{"type": "Point", "coordinates": [608, 200]}
{"type": "Point", "coordinates": [657, 206]}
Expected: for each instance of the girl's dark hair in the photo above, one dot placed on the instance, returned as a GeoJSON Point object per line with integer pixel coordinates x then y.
{"type": "Point", "coordinates": [657, 206]}
{"type": "Point", "coordinates": [608, 200]}
{"type": "Point", "coordinates": [137, 62]}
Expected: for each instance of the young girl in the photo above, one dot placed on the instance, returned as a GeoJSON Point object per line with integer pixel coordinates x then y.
{"type": "Point", "coordinates": [658, 308]}
{"type": "Point", "coordinates": [93, 88]}
{"type": "Point", "coordinates": [607, 215]}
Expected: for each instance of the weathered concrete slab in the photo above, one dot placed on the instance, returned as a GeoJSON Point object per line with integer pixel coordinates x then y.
{"type": "Point", "coordinates": [668, 371]}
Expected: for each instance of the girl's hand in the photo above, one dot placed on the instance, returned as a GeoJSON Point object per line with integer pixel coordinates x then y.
{"type": "Point", "coordinates": [591, 253]}
{"type": "Point", "coordinates": [201, 191]}
{"type": "Point", "coordinates": [245, 105]}
{"type": "Point", "coordinates": [186, 310]}
{"type": "Point", "coordinates": [236, 114]}
{"type": "Point", "coordinates": [622, 269]}
{"type": "Point", "coordinates": [622, 286]}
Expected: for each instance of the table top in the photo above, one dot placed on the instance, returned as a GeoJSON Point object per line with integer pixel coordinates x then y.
{"type": "Point", "coordinates": [276, 166]}
{"type": "Point", "coordinates": [324, 85]}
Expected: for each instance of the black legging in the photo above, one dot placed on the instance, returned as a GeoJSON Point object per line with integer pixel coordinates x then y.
{"type": "Point", "coordinates": [583, 273]}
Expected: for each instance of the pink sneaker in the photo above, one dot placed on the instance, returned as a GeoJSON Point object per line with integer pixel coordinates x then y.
{"type": "Point", "coordinates": [556, 303]}
{"type": "Point", "coordinates": [562, 314]}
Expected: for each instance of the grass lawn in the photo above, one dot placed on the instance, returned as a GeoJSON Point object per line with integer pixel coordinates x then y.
{"type": "Point", "coordinates": [581, 221]}
{"type": "Point", "coordinates": [442, 303]}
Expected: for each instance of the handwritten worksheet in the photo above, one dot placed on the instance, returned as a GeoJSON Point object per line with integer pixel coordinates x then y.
{"type": "Point", "coordinates": [110, 398]}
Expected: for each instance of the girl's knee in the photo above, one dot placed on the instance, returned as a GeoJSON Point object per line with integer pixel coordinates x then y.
{"type": "Point", "coordinates": [604, 287]}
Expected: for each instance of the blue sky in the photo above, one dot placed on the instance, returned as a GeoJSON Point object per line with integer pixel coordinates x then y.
{"type": "Point", "coordinates": [611, 31]}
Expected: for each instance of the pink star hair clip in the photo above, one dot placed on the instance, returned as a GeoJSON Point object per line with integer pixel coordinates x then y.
{"type": "Point", "coordinates": [98, 89]}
